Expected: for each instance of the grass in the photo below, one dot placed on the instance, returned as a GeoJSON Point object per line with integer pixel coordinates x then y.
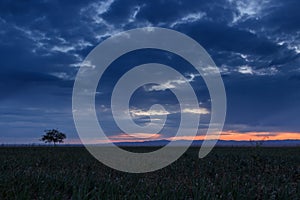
{"type": "Point", "coordinates": [226, 173]}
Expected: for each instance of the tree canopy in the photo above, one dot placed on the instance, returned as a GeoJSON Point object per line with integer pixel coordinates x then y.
{"type": "Point", "coordinates": [54, 136]}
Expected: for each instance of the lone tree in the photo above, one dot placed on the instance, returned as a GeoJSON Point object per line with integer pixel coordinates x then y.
{"type": "Point", "coordinates": [53, 136]}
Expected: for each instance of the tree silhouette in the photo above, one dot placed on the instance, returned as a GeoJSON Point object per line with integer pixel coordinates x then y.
{"type": "Point", "coordinates": [53, 136]}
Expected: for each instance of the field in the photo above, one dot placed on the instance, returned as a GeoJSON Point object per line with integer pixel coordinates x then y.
{"type": "Point", "coordinates": [226, 173]}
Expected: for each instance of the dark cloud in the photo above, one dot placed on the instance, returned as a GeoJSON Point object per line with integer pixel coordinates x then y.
{"type": "Point", "coordinates": [225, 38]}
{"type": "Point", "coordinates": [284, 17]}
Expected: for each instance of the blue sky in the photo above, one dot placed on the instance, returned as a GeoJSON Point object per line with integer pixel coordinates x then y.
{"type": "Point", "coordinates": [255, 44]}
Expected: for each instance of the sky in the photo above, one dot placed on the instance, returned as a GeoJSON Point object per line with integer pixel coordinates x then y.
{"type": "Point", "coordinates": [255, 44]}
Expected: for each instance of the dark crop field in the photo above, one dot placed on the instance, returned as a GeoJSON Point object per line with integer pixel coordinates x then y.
{"type": "Point", "coordinates": [226, 173]}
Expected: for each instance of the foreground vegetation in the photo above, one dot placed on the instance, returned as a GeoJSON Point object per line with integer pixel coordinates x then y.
{"type": "Point", "coordinates": [226, 173]}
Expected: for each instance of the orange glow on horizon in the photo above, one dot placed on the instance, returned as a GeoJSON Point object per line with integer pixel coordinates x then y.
{"type": "Point", "coordinates": [231, 135]}
{"type": "Point", "coordinates": [228, 135]}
